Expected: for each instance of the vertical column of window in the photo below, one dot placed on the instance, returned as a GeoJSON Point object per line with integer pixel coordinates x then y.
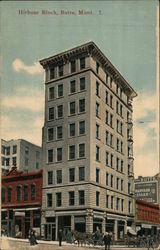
{"type": "Point", "coordinates": [81, 105]}
{"type": "Point", "coordinates": [60, 70]}
{"type": "Point", "coordinates": [81, 173]}
{"type": "Point", "coordinates": [107, 200]}
{"type": "Point", "coordinates": [59, 154]}
{"type": "Point", "coordinates": [82, 63]}
{"type": "Point", "coordinates": [111, 159]}
{"type": "Point", "coordinates": [111, 181]}
{"type": "Point", "coordinates": [82, 85]}
{"type": "Point", "coordinates": [72, 108]}
{"type": "Point", "coordinates": [50, 134]}
{"type": "Point", "coordinates": [51, 93]}
{"type": "Point", "coordinates": [71, 152]}
{"type": "Point", "coordinates": [97, 153]}
{"type": "Point", "coordinates": [97, 88]}
{"type": "Point", "coordinates": [97, 198]}
{"type": "Point", "coordinates": [97, 109]}
{"type": "Point", "coordinates": [72, 129]}
{"type": "Point", "coordinates": [97, 131]}
{"type": "Point", "coordinates": [107, 158]}
{"type": "Point", "coordinates": [97, 175]}
{"type": "Point", "coordinates": [71, 175]}
{"type": "Point", "coordinates": [81, 127]}
{"type": "Point", "coordinates": [107, 77]}
{"type": "Point", "coordinates": [97, 67]}
{"type": "Point", "coordinates": [49, 200]}
{"type": "Point", "coordinates": [72, 86]}
{"type": "Point", "coordinates": [107, 178]}
{"type": "Point", "coordinates": [71, 198]}
{"type": "Point", "coordinates": [111, 120]}
{"type": "Point", "coordinates": [81, 194]}
{"type": "Point", "coordinates": [59, 176]}
{"type": "Point", "coordinates": [112, 202]}
{"type": "Point", "coordinates": [81, 150]}
{"type": "Point", "coordinates": [73, 66]}
{"type": "Point", "coordinates": [59, 132]}
{"type": "Point", "coordinates": [51, 114]}
{"type": "Point", "coordinates": [58, 199]}
{"type": "Point", "coordinates": [60, 90]}
{"type": "Point", "coordinates": [50, 177]}
{"type": "Point", "coordinates": [50, 156]}
{"type": "Point", "coordinates": [52, 72]}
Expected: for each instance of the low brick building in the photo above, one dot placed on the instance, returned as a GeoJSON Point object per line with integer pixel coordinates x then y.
{"type": "Point", "coordinates": [21, 202]}
{"type": "Point", "coordinates": [147, 218]}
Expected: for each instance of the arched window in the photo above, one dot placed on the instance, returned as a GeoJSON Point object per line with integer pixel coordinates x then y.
{"type": "Point", "coordinates": [25, 193]}
{"type": "Point", "coordinates": [33, 192]}
{"type": "Point", "coordinates": [3, 194]}
{"type": "Point", "coordinates": [19, 193]}
{"type": "Point", "coordinates": [9, 194]}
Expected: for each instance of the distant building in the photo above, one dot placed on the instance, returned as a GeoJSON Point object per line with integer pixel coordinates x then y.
{"type": "Point", "coordinates": [87, 144]}
{"type": "Point", "coordinates": [147, 218]}
{"type": "Point", "coordinates": [23, 154]}
{"type": "Point", "coordinates": [21, 202]}
{"type": "Point", "coordinates": [147, 188]}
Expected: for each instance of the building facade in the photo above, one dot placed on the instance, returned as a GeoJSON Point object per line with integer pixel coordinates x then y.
{"type": "Point", "coordinates": [147, 218]}
{"type": "Point", "coordinates": [21, 202]}
{"type": "Point", "coordinates": [23, 154]}
{"type": "Point", "coordinates": [87, 145]}
{"type": "Point", "coordinates": [147, 188]}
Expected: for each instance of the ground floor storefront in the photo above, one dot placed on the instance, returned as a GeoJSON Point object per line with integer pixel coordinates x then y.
{"type": "Point", "coordinates": [83, 221]}
{"type": "Point", "coordinates": [146, 229]}
{"type": "Point", "coordinates": [17, 222]}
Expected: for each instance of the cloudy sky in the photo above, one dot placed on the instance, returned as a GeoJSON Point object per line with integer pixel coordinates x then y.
{"type": "Point", "coordinates": [126, 33]}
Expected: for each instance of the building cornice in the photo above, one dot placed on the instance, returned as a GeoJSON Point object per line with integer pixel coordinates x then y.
{"type": "Point", "coordinates": [90, 49]}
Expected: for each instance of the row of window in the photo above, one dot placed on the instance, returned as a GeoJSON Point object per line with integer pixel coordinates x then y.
{"type": "Point", "coordinates": [19, 193]}
{"type": "Point", "coordinates": [81, 175]}
{"type": "Point", "coordinates": [7, 150]}
{"type": "Point", "coordinates": [72, 109]}
{"type": "Point", "coordinates": [57, 92]}
{"type": "Point", "coordinates": [71, 198]}
{"type": "Point", "coordinates": [111, 156]}
{"type": "Point", "coordinates": [81, 200]}
{"type": "Point", "coordinates": [59, 71]}
{"type": "Point", "coordinates": [72, 153]}
{"type": "Point", "coordinates": [6, 161]}
{"type": "Point", "coordinates": [72, 131]}
{"type": "Point", "coordinates": [109, 100]}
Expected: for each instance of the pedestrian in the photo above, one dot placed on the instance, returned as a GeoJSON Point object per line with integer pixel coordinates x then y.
{"type": "Point", "coordinates": [107, 240]}
{"type": "Point", "coordinates": [150, 243]}
{"type": "Point", "coordinates": [60, 237]}
{"type": "Point", "coordinates": [32, 237]}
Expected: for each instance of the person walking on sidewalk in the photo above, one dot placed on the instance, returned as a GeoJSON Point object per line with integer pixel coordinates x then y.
{"type": "Point", "coordinates": [60, 237]}
{"type": "Point", "coordinates": [107, 240]}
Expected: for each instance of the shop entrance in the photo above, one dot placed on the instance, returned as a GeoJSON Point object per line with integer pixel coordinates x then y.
{"type": "Point", "coordinates": [97, 224]}
{"type": "Point", "coordinates": [64, 223]}
{"type": "Point", "coordinates": [120, 233]}
{"type": "Point", "coordinates": [49, 231]}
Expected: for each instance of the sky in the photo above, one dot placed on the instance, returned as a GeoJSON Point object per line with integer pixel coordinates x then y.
{"type": "Point", "coordinates": [125, 31]}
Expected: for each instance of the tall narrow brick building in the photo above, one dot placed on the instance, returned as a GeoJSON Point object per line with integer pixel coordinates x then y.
{"type": "Point", "coordinates": [87, 144]}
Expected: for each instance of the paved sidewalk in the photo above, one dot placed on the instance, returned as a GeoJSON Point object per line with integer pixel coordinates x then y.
{"type": "Point", "coordinates": [8, 243]}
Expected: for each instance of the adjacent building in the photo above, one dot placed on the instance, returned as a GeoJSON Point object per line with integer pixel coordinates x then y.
{"type": "Point", "coordinates": [87, 145]}
{"type": "Point", "coordinates": [25, 155]}
{"type": "Point", "coordinates": [147, 188]}
{"type": "Point", "coordinates": [147, 218]}
{"type": "Point", "coordinates": [21, 202]}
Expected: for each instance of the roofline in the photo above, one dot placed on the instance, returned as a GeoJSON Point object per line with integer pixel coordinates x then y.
{"type": "Point", "coordinates": [92, 49]}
